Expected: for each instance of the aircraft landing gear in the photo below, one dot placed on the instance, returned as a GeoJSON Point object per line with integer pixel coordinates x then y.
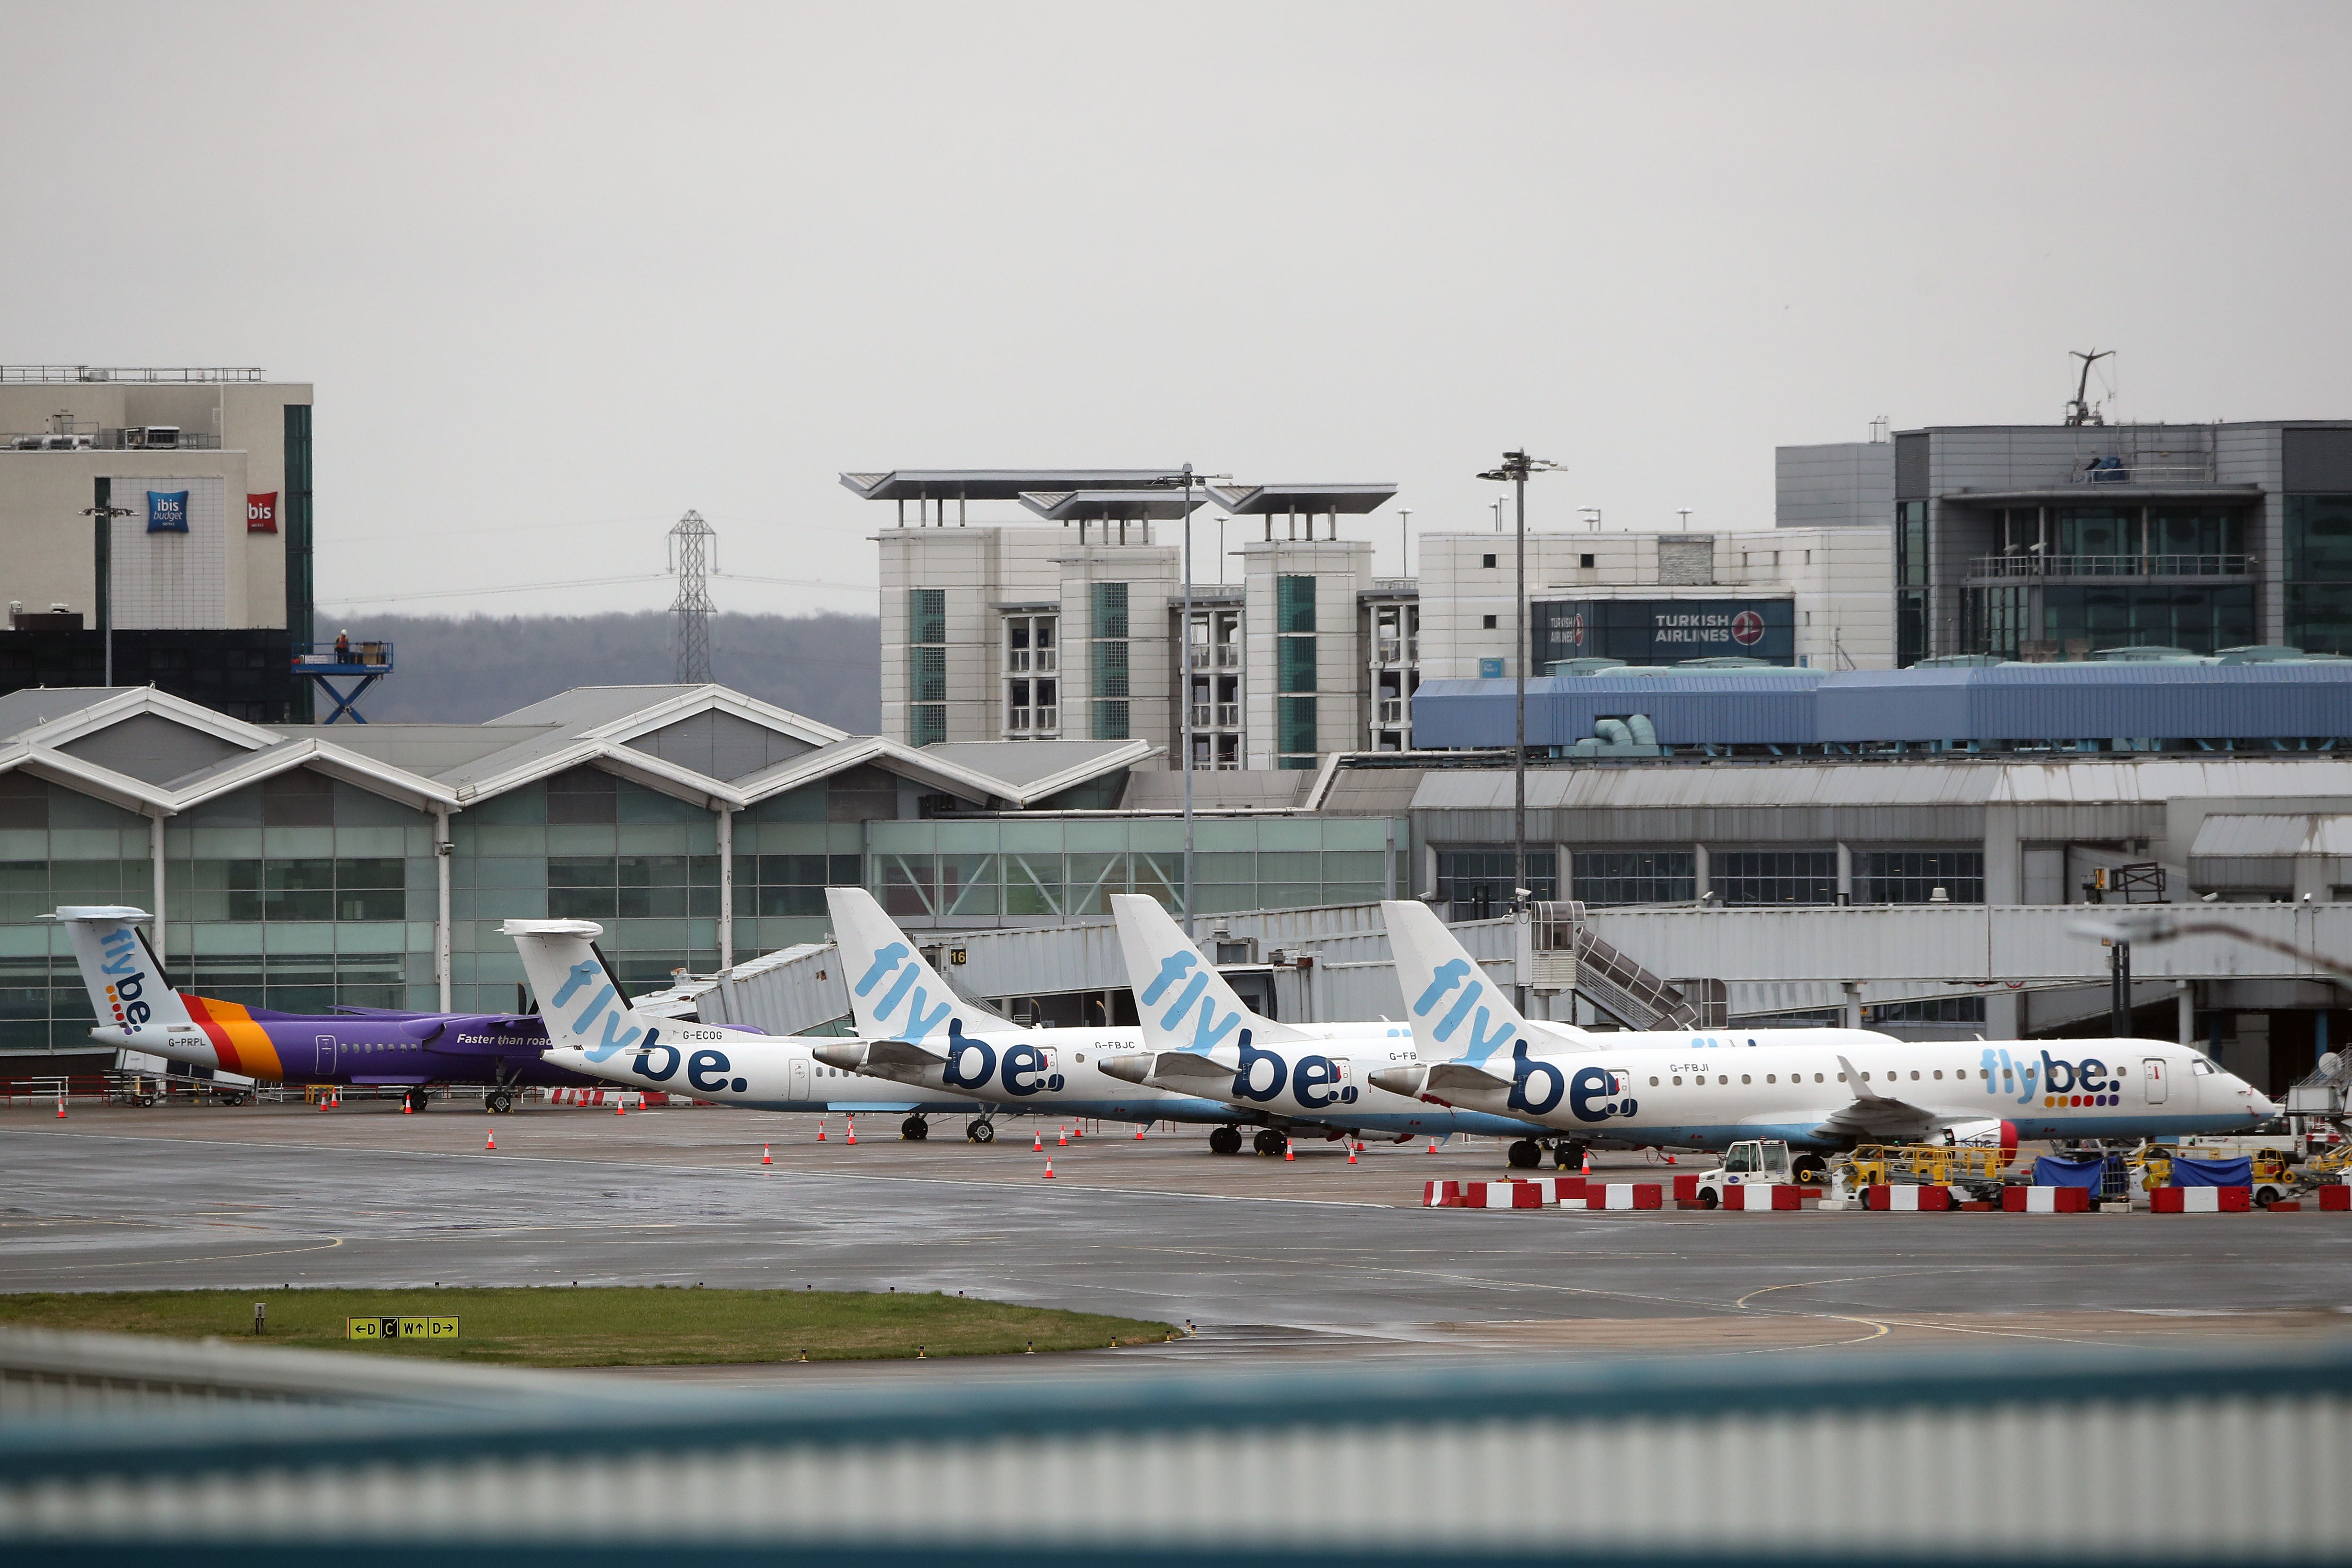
{"type": "Point", "coordinates": [980, 1130]}
{"type": "Point", "coordinates": [1266, 1141]}
{"type": "Point", "coordinates": [1810, 1170]}
{"type": "Point", "coordinates": [418, 1099]}
{"type": "Point", "coordinates": [1566, 1156]}
{"type": "Point", "coordinates": [499, 1101]}
{"type": "Point", "coordinates": [914, 1130]}
{"type": "Point", "coordinates": [1225, 1141]}
{"type": "Point", "coordinates": [1525, 1155]}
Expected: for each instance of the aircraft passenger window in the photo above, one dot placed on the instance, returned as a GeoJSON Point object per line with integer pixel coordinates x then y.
{"type": "Point", "coordinates": [1745, 1079]}
{"type": "Point", "coordinates": [1915, 1075]}
{"type": "Point", "coordinates": [1082, 1055]}
{"type": "Point", "coordinates": [1840, 1077]}
{"type": "Point", "coordinates": [1723, 1078]}
{"type": "Point", "coordinates": [1772, 1078]}
{"type": "Point", "coordinates": [1678, 1082]}
{"type": "Point", "coordinates": [1654, 1083]}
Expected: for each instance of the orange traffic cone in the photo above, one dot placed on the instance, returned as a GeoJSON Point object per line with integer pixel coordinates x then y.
{"type": "Point", "coordinates": [62, 1106]}
{"type": "Point", "coordinates": [618, 1107]}
{"type": "Point", "coordinates": [1588, 1164]}
{"type": "Point", "coordinates": [1036, 1143]}
{"type": "Point", "coordinates": [1064, 1139]}
{"type": "Point", "coordinates": [1432, 1145]}
{"type": "Point", "coordinates": [1139, 1134]}
{"type": "Point", "coordinates": [406, 1109]}
{"type": "Point", "coordinates": [324, 1103]}
{"type": "Point", "coordinates": [1288, 1154]}
{"type": "Point", "coordinates": [1078, 1130]}
{"type": "Point", "coordinates": [1351, 1153]}
{"type": "Point", "coordinates": [1049, 1168]}
{"type": "Point", "coordinates": [820, 1129]}
{"type": "Point", "coordinates": [491, 1142]}
{"type": "Point", "coordinates": [764, 1158]}
{"type": "Point", "coordinates": [852, 1129]}
{"type": "Point", "coordinates": [1670, 1159]}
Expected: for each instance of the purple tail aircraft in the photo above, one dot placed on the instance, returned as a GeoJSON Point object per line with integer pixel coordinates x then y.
{"type": "Point", "coordinates": [138, 1010]}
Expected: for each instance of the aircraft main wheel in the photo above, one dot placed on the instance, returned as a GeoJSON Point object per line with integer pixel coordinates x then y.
{"type": "Point", "coordinates": [1810, 1170]}
{"type": "Point", "coordinates": [418, 1099]}
{"type": "Point", "coordinates": [499, 1101]}
{"type": "Point", "coordinates": [981, 1132]}
{"type": "Point", "coordinates": [1525, 1155]}
{"type": "Point", "coordinates": [914, 1130]}
{"type": "Point", "coordinates": [1268, 1142]}
{"type": "Point", "coordinates": [1568, 1156]}
{"type": "Point", "coordinates": [1225, 1141]}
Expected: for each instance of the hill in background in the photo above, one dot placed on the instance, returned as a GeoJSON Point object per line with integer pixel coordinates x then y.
{"type": "Point", "coordinates": [454, 670]}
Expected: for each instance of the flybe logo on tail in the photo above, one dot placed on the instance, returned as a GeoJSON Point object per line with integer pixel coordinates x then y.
{"type": "Point", "coordinates": [922, 1018]}
{"type": "Point", "coordinates": [619, 1033]}
{"type": "Point", "coordinates": [1483, 1040]}
{"type": "Point", "coordinates": [972, 1062]}
{"type": "Point", "coordinates": [118, 953]}
{"type": "Point", "coordinates": [1208, 1029]}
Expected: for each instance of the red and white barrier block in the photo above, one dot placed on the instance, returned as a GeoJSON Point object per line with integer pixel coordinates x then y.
{"type": "Point", "coordinates": [2045, 1200]}
{"type": "Point", "coordinates": [1482, 1195]}
{"type": "Point", "coordinates": [2336, 1198]}
{"type": "Point", "coordinates": [1624, 1195]}
{"type": "Point", "coordinates": [2202, 1200]}
{"type": "Point", "coordinates": [1762, 1197]}
{"type": "Point", "coordinates": [1912, 1199]}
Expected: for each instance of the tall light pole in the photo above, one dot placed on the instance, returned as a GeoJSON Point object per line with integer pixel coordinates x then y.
{"type": "Point", "coordinates": [1515, 468]}
{"type": "Point", "coordinates": [1404, 546]}
{"type": "Point", "coordinates": [103, 513]}
{"type": "Point", "coordinates": [1185, 661]}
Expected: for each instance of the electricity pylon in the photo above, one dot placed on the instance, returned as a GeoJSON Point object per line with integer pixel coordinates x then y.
{"type": "Point", "coordinates": [693, 553]}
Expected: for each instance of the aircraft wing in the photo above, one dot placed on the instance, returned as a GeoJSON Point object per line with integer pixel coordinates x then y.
{"type": "Point", "coordinates": [1875, 1116]}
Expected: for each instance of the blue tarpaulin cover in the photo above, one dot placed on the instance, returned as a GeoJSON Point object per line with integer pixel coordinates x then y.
{"type": "Point", "coordinates": [2058, 1171]}
{"type": "Point", "coordinates": [2187, 1172]}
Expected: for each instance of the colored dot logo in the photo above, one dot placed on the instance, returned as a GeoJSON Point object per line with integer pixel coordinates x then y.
{"type": "Point", "coordinates": [1747, 628]}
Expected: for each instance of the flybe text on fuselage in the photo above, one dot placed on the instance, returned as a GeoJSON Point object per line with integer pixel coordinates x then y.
{"type": "Point", "coordinates": [658, 1058]}
{"type": "Point", "coordinates": [1313, 1080]}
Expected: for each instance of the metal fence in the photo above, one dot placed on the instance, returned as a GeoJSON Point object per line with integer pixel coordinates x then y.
{"type": "Point", "coordinates": [2085, 1457]}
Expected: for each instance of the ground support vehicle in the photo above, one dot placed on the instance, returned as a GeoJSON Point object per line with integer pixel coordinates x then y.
{"type": "Point", "coordinates": [1751, 1162]}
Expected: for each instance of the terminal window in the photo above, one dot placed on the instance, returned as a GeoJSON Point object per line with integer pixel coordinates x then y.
{"type": "Point", "coordinates": [1776, 876]}
{"type": "Point", "coordinates": [1912, 876]}
{"type": "Point", "coordinates": [1294, 720]}
{"type": "Point", "coordinates": [632, 887]}
{"type": "Point", "coordinates": [1477, 880]}
{"type": "Point", "coordinates": [1634, 876]}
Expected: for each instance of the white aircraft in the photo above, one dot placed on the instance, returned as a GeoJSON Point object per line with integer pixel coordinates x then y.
{"type": "Point", "coordinates": [913, 1030]}
{"type": "Point", "coordinates": [1819, 1090]}
{"type": "Point", "coordinates": [592, 1028]}
{"type": "Point", "coordinates": [1202, 1036]}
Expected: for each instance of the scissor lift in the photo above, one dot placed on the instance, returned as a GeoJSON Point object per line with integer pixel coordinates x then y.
{"type": "Point", "coordinates": [328, 662]}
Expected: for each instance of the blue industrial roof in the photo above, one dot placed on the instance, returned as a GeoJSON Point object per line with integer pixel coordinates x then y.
{"type": "Point", "coordinates": [2025, 703]}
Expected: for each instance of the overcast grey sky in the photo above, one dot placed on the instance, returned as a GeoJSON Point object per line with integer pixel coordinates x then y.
{"type": "Point", "coordinates": [559, 272]}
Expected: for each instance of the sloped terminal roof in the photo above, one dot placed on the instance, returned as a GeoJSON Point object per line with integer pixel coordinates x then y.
{"type": "Point", "coordinates": [1105, 506]}
{"type": "Point", "coordinates": [995, 484]}
{"type": "Point", "coordinates": [1256, 501]}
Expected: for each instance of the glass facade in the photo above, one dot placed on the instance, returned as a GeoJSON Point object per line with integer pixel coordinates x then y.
{"type": "Point", "coordinates": [1634, 876]}
{"type": "Point", "coordinates": [1912, 876]}
{"type": "Point", "coordinates": [1910, 582]}
{"type": "Point", "coordinates": [1753, 876]}
{"type": "Point", "coordinates": [1477, 880]}
{"type": "Point", "coordinates": [926, 665]}
{"type": "Point", "coordinates": [1296, 740]}
{"type": "Point", "coordinates": [1026, 870]}
{"type": "Point", "coordinates": [1107, 671]}
{"type": "Point", "coordinates": [2319, 572]}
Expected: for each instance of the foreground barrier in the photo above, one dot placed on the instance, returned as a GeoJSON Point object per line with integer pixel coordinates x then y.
{"type": "Point", "coordinates": [1763, 1197]}
{"type": "Point", "coordinates": [530, 1469]}
{"type": "Point", "coordinates": [2202, 1200]}
{"type": "Point", "coordinates": [2045, 1200]}
{"type": "Point", "coordinates": [2334, 1198]}
{"type": "Point", "coordinates": [1909, 1199]}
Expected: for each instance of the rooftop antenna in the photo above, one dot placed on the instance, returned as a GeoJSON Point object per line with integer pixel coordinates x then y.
{"type": "Point", "coordinates": [1684, 512]}
{"type": "Point", "coordinates": [693, 553]}
{"type": "Point", "coordinates": [2080, 411]}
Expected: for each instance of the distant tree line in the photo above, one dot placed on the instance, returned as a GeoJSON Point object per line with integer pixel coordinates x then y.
{"type": "Point", "coordinates": [461, 670]}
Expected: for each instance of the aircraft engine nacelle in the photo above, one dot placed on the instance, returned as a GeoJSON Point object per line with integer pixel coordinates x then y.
{"type": "Point", "coordinates": [1987, 1134]}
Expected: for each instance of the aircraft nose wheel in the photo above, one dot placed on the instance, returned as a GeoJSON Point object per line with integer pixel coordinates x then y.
{"type": "Point", "coordinates": [499, 1101]}
{"type": "Point", "coordinates": [1269, 1141]}
{"type": "Point", "coordinates": [981, 1131]}
{"type": "Point", "coordinates": [914, 1130]}
{"type": "Point", "coordinates": [1225, 1141]}
{"type": "Point", "coordinates": [417, 1099]}
{"type": "Point", "coordinates": [1526, 1154]}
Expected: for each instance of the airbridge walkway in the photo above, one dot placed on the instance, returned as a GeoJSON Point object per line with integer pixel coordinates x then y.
{"type": "Point", "coordinates": [1771, 960]}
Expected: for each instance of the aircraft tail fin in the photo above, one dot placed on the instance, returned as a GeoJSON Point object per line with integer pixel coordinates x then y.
{"type": "Point", "coordinates": [893, 989]}
{"type": "Point", "coordinates": [1456, 1013]}
{"type": "Point", "coordinates": [583, 1002]}
{"type": "Point", "coordinates": [125, 978]}
{"type": "Point", "coordinates": [1183, 1003]}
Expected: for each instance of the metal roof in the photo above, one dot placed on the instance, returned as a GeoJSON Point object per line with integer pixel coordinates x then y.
{"type": "Point", "coordinates": [2092, 495]}
{"type": "Point", "coordinates": [2243, 837]}
{"type": "Point", "coordinates": [996, 484]}
{"type": "Point", "coordinates": [1253, 501]}
{"type": "Point", "coordinates": [1066, 505]}
{"type": "Point", "coordinates": [2003, 702]}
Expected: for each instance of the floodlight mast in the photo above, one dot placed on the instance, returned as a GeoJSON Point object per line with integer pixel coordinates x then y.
{"type": "Point", "coordinates": [1515, 467]}
{"type": "Point", "coordinates": [1186, 479]}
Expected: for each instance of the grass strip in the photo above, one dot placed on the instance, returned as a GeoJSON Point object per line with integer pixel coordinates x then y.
{"type": "Point", "coordinates": [598, 1326]}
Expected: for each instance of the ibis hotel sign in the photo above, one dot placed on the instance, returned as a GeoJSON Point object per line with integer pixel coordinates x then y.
{"type": "Point", "coordinates": [1665, 631]}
